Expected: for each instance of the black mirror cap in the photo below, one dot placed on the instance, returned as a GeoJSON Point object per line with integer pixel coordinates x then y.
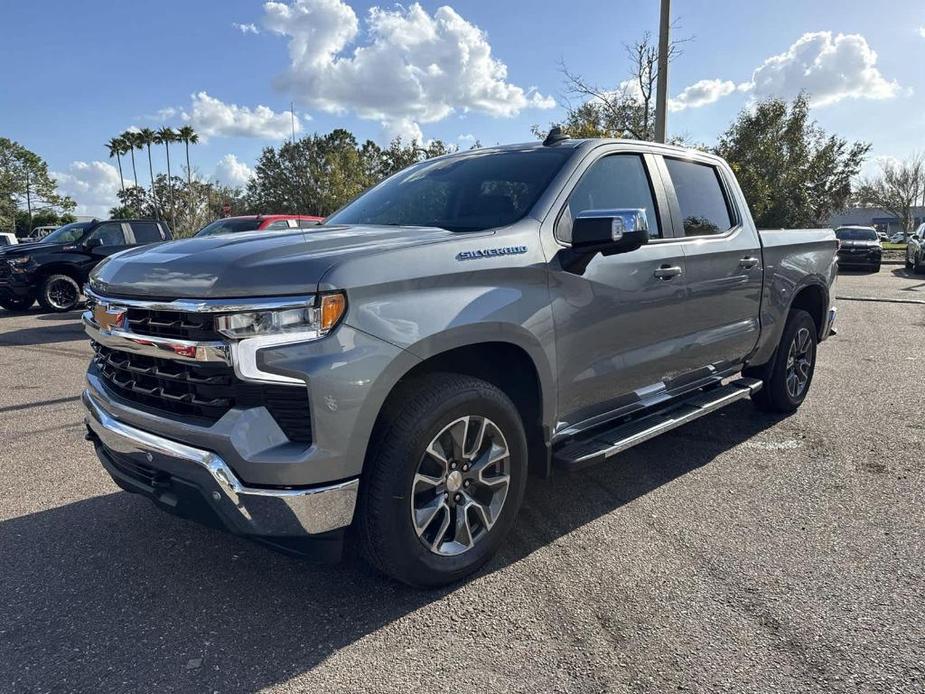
{"type": "Point", "coordinates": [610, 231]}
{"type": "Point", "coordinates": [90, 244]}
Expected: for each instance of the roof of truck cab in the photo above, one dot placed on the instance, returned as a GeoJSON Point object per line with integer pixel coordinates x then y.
{"type": "Point", "coordinates": [590, 143]}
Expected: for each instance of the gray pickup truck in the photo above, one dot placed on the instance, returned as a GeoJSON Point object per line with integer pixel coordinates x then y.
{"type": "Point", "coordinates": [475, 319]}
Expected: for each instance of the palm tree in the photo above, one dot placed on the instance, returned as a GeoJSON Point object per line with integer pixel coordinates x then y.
{"type": "Point", "coordinates": [115, 147]}
{"type": "Point", "coordinates": [130, 138]}
{"type": "Point", "coordinates": [164, 136]}
{"type": "Point", "coordinates": [147, 137]}
{"type": "Point", "coordinates": [187, 135]}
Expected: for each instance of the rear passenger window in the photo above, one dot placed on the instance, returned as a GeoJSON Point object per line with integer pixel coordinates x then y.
{"type": "Point", "coordinates": [703, 203]}
{"type": "Point", "coordinates": [278, 224]}
{"type": "Point", "coordinates": [308, 223]}
{"type": "Point", "coordinates": [617, 181]}
{"type": "Point", "coordinates": [146, 232]}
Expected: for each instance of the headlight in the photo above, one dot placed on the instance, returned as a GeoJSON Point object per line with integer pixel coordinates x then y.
{"type": "Point", "coordinates": [19, 261]}
{"type": "Point", "coordinates": [318, 319]}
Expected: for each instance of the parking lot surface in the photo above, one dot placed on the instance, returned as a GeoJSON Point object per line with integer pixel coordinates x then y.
{"type": "Point", "coordinates": [743, 552]}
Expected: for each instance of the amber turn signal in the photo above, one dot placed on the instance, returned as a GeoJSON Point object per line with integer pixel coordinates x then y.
{"type": "Point", "coordinates": [332, 308]}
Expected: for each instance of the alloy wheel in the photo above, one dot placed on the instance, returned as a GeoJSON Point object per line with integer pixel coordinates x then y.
{"type": "Point", "coordinates": [799, 363]}
{"type": "Point", "coordinates": [460, 485]}
{"type": "Point", "coordinates": [62, 294]}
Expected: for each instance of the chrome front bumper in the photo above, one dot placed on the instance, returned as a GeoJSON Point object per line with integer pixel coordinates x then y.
{"type": "Point", "coordinates": [250, 511]}
{"type": "Point", "coordinates": [829, 329]}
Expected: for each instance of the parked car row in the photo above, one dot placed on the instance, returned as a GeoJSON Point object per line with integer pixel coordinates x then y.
{"type": "Point", "coordinates": [54, 269]}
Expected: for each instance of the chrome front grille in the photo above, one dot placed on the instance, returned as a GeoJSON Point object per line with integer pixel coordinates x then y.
{"type": "Point", "coordinates": [202, 392]}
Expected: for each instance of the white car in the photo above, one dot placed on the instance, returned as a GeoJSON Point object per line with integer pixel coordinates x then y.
{"type": "Point", "coordinates": [8, 239]}
{"type": "Point", "coordinates": [898, 237]}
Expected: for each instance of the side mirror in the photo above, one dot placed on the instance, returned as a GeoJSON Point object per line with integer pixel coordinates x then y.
{"type": "Point", "coordinates": [90, 244]}
{"type": "Point", "coordinates": [610, 231]}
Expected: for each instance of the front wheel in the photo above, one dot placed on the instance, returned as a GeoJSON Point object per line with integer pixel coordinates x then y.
{"type": "Point", "coordinates": [787, 382]}
{"type": "Point", "coordinates": [59, 294]}
{"type": "Point", "coordinates": [444, 482]}
{"type": "Point", "coordinates": [17, 303]}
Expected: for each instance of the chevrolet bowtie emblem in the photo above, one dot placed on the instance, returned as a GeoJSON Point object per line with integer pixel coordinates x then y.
{"type": "Point", "coordinates": [109, 317]}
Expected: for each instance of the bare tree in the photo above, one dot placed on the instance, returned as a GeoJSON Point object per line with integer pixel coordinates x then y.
{"type": "Point", "coordinates": [626, 110]}
{"type": "Point", "coordinates": [897, 189]}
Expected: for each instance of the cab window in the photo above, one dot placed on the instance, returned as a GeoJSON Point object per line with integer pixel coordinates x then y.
{"type": "Point", "coordinates": [278, 224]}
{"type": "Point", "coordinates": [146, 232]}
{"type": "Point", "coordinates": [617, 181]}
{"type": "Point", "coordinates": [109, 234]}
{"type": "Point", "coordinates": [703, 203]}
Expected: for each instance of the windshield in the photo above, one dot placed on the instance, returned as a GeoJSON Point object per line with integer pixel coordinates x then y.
{"type": "Point", "coordinates": [227, 226]}
{"type": "Point", "coordinates": [856, 234]}
{"type": "Point", "coordinates": [481, 189]}
{"type": "Point", "coordinates": [69, 233]}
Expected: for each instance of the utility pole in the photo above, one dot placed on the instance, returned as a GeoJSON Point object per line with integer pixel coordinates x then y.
{"type": "Point", "coordinates": [661, 90]}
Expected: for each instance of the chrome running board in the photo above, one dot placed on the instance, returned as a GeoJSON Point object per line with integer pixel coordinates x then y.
{"type": "Point", "coordinates": [598, 447]}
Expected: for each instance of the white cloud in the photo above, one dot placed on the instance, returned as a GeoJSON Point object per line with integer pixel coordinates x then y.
{"type": "Point", "coordinates": [466, 137]}
{"type": "Point", "coordinates": [828, 67]}
{"type": "Point", "coordinates": [922, 31]}
{"type": "Point", "coordinates": [246, 28]}
{"type": "Point", "coordinates": [232, 172]}
{"type": "Point", "coordinates": [212, 117]}
{"type": "Point", "coordinates": [93, 186]}
{"type": "Point", "coordinates": [701, 93]}
{"type": "Point", "coordinates": [413, 68]}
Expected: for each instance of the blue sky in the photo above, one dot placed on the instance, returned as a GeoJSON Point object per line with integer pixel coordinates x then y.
{"type": "Point", "coordinates": [77, 73]}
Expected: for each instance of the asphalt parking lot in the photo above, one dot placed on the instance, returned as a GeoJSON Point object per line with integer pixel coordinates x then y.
{"type": "Point", "coordinates": [742, 552]}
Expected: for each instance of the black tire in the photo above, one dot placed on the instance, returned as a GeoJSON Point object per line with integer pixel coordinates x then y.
{"type": "Point", "coordinates": [909, 264]}
{"type": "Point", "coordinates": [59, 294]}
{"type": "Point", "coordinates": [411, 423]}
{"type": "Point", "coordinates": [917, 266]}
{"type": "Point", "coordinates": [875, 268]}
{"type": "Point", "coordinates": [17, 304]}
{"type": "Point", "coordinates": [775, 396]}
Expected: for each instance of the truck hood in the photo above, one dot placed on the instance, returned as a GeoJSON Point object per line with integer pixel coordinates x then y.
{"type": "Point", "coordinates": [26, 248]}
{"type": "Point", "coordinates": [248, 264]}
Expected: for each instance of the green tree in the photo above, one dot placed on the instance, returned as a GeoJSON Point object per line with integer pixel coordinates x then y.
{"type": "Point", "coordinates": [792, 172]}
{"type": "Point", "coordinates": [115, 147]}
{"type": "Point", "coordinates": [26, 183]}
{"type": "Point", "coordinates": [189, 137]}
{"type": "Point", "coordinates": [164, 136]}
{"type": "Point", "coordinates": [319, 173]}
{"type": "Point", "coordinates": [147, 137]}
{"type": "Point", "coordinates": [130, 144]}
{"type": "Point", "coordinates": [897, 189]}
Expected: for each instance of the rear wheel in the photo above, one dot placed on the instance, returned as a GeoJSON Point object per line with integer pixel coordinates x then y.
{"type": "Point", "coordinates": [59, 293]}
{"type": "Point", "coordinates": [444, 482]}
{"type": "Point", "coordinates": [787, 381]}
{"type": "Point", "coordinates": [17, 303]}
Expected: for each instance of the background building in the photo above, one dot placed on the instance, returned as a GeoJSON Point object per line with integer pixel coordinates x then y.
{"type": "Point", "coordinates": [875, 217]}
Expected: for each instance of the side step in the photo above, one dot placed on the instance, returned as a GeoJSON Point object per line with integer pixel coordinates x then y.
{"type": "Point", "coordinates": [599, 446]}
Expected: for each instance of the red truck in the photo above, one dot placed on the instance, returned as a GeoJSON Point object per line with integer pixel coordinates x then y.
{"type": "Point", "coordinates": [259, 222]}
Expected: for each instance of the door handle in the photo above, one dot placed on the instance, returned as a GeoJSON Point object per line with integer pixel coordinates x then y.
{"type": "Point", "coordinates": [666, 272]}
{"type": "Point", "coordinates": [748, 263]}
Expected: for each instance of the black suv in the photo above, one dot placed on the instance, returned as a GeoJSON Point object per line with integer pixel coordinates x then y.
{"type": "Point", "coordinates": [54, 269]}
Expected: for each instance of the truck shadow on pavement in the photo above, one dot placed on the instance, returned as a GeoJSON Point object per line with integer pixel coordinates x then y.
{"type": "Point", "coordinates": [51, 332]}
{"type": "Point", "coordinates": [111, 594]}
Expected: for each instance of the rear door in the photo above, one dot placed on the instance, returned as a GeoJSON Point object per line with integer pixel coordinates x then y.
{"type": "Point", "coordinates": [722, 254]}
{"type": "Point", "coordinates": [112, 236]}
{"type": "Point", "coordinates": [619, 320]}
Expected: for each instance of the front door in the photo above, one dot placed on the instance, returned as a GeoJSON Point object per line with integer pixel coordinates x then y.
{"type": "Point", "coordinates": [619, 321]}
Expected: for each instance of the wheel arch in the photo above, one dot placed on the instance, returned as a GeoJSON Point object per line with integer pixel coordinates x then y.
{"type": "Point", "coordinates": [509, 365]}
